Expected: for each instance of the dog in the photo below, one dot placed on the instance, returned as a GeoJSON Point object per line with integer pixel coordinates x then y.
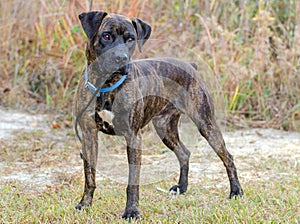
{"type": "Point", "coordinates": [120, 96]}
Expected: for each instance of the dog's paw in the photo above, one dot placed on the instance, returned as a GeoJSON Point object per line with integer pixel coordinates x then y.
{"type": "Point", "coordinates": [177, 189]}
{"type": "Point", "coordinates": [81, 205]}
{"type": "Point", "coordinates": [236, 194]}
{"type": "Point", "coordinates": [131, 213]}
{"type": "Point", "coordinates": [236, 191]}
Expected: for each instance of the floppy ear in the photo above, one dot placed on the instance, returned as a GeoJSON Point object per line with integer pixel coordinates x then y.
{"type": "Point", "coordinates": [91, 22]}
{"type": "Point", "coordinates": [143, 31]}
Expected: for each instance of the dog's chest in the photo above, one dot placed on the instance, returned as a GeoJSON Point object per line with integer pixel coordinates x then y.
{"type": "Point", "coordinates": [103, 114]}
{"type": "Point", "coordinates": [104, 122]}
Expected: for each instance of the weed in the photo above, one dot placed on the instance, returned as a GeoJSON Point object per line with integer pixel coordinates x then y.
{"type": "Point", "coordinates": [246, 50]}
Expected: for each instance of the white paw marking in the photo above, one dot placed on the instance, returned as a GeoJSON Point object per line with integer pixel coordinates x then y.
{"type": "Point", "coordinates": [173, 192]}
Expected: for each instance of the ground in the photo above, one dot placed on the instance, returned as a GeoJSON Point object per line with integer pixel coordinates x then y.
{"type": "Point", "coordinates": [37, 157]}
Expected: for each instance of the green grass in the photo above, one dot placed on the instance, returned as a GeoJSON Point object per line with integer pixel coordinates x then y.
{"type": "Point", "coordinates": [264, 202]}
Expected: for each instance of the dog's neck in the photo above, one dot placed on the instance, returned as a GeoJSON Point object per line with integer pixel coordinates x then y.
{"type": "Point", "coordinates": [113, 79]}
{"type": "Point", "coordinates": [107, 82]}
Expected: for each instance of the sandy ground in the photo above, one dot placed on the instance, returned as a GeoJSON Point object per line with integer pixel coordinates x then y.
{"type": "Point", "coordinates": [60, 159]}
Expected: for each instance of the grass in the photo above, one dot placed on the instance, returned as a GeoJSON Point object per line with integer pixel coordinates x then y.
{"type": "Point", "coordinates": [265, 202]}
{"type": "Point", "coordinates": [248, 52]}
{"type": "Point", "coordinates": [270, 182]}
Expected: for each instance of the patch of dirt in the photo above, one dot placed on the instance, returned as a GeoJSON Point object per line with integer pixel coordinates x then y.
{"type": "Point", "coordinates": [39, 156]}
{"type": "Point", "coordinates": [12, 121]}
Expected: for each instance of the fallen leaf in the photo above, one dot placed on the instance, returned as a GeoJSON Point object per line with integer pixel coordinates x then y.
{"type": "Point", "coordinates": [55, 125]}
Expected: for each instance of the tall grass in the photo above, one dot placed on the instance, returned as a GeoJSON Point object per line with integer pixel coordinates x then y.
{"type": "Point", "coordinates": [250, 50]}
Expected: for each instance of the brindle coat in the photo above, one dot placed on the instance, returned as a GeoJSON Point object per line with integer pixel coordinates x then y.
{"type": "Point", "coordinates": [159, 89]}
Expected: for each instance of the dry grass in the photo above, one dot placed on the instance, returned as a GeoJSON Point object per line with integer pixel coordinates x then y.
{"type": "Point", "coordinates": [249, 52]}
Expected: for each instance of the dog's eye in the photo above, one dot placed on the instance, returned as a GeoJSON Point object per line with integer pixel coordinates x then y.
{"type": "Point", "coordinates": [106, 36]}
{"type": "Point", "coordinates": [130, 39]}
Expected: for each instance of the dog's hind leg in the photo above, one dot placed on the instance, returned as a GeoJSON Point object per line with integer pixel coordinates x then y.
{"type": "Point", "coordinates": [166, 125]}
{"type": "Point", "coordinates": [209, 129]}
{"type": "Point", "coordinates": [214, 137]}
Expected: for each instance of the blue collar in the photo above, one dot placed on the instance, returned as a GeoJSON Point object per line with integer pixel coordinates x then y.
{"type": "Point", "coordinates": [93, 89]}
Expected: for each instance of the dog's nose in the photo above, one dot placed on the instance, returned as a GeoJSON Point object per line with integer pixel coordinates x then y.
{"type": "Point", "coordinates": [121, 58]}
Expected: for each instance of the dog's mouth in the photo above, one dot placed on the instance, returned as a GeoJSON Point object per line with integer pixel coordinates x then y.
{"type": "Point", "coordinates": [124, 69]}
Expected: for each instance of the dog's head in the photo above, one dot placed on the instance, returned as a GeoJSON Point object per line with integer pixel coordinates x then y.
{"type": "Point", "coordinates": [112, 39]}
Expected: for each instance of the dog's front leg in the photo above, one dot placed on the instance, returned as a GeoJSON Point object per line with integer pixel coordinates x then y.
{"type": "Point", "coordinates": [89, 156]}
{"type": "Point", "coordinates": [134, 155]}
{"type": "Point", "coordinates": [89, 140]}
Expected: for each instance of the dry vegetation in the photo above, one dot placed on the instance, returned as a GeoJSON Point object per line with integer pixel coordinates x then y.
{"type": "Point", "coordinates": [248, 49]}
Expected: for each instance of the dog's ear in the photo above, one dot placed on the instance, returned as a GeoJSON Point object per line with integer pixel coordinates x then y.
{"type": "Point", "coordinates": [91, 22]}
{"type": "Point", "coordinates": [143, 31]}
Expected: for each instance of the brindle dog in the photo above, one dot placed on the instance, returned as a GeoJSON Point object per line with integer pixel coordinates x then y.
{"type": "Point", "coordinates": [160, 90]}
